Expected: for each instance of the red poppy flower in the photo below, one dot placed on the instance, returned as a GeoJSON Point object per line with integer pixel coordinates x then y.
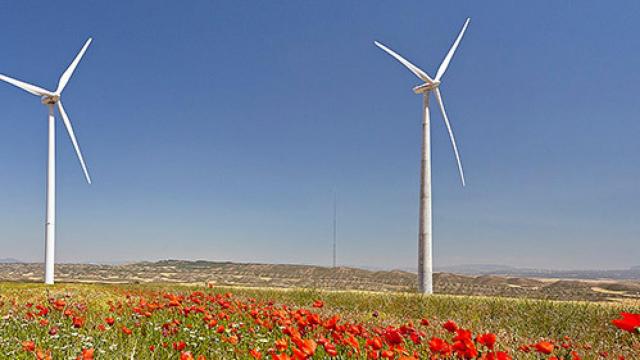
{"type": "Point", "coordinates": [255, 354]}
{"type": "Point", "coordinates": [43, 310]}
{"type": "Point", "coordinates": [307, 346]}
{"type": "Point", "coordinates": [330, 349]}
{"type": "Point", "coordinates": [544, 347]}
{"type": "Point", "coordinates": [487, 340]}
{"type": "Point", "coordinates": [393, 336]}
{"type": "Point", "coordinates": [375, 343]}
{"type": "Point", "coordinates": [353, 342]}
{"type": "Point", "coordinates": [439, 346]}
{"type": "Point", "coordinates": [500, 355]}
{"type": "Point", "coordinates": [282, 344]}
{"type": "Point", "coordinates": [373, 355]}
{"type": "Point", "coordinates": [387, 354]}
{"type": "Point", "coordinates": [462, 334]}
{"type": "Point", "coordinates": [450, 326]}
{"type": "Point", "coordinates": [77, 322]}
{"type": "Point", "coordinates": [280, 357]}
{"type": "Point", "coordinates": [465, 348]}
{"type": "Point", "coordinates": [628, 322]}
{"type": "Point", "coordinates": [43, 355]}
{"type": "Point", "coordinates": [86, 354]}
{"type": "Point", "coordinates": [59, 304]}
{"type": "Point", "coordinates": [28, 345]}
{"type": "Point", "coordinates": [186, 356]}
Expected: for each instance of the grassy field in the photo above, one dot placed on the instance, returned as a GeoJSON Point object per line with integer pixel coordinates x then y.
{"type": "Point", "coordinates": [176, 321]}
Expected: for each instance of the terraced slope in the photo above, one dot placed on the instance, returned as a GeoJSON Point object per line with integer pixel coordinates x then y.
{"type": "Point", "coordinates": [342, 278]}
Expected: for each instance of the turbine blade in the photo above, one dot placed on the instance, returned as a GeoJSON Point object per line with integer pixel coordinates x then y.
{"type": "Point", "coordinates": [64, 79]}
{"type": "Point", "coordinates": [453, 139]}
{"type": "Point", "coordinates": [414, 69]}
{"type": "Point", "coordinates": [67, 124]}
{"type": "Point", "coordinates": [38, 91]}
{"type": "Point", "coordinates": [447, 59]}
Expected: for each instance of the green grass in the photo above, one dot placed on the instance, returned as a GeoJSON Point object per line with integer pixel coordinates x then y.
{"type": "Point", "coordinates": [524, 319]}
{"type": "Point", "coordinates": [515, 321]}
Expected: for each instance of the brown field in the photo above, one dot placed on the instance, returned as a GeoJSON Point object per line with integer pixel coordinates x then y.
{"type": "Point", "coordinates": [342, 278]}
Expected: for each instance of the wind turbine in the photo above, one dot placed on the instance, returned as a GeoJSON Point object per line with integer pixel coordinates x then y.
{"type": "Point", "coordinates": [425, 260]}
{"type": "Point", "coordinates": [52, 99]}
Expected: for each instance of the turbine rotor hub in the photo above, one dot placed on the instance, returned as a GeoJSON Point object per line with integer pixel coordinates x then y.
{"type": "Point", "coordinates": [50, 99]}
{"type": "Point", "coordinates": [421, 89]}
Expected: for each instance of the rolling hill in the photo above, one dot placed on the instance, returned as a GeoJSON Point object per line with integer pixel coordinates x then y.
{"type": "Point", "coordinates": [341, 278]}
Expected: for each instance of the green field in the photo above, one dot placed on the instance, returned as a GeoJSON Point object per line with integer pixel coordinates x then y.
{"type": "Point", "coordinates": [584, 327]}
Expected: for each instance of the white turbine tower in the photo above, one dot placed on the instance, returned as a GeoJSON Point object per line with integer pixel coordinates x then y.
{"type": "Point", "coordinates": [425, 260]}
{"type": "Point", "coordinates": [51, 99]}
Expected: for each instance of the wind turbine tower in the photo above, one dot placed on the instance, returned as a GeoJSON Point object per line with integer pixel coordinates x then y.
{"type": "Point", "coordinates": [51, 99]}
{"type": "Point", "coordinates": [430, 85]}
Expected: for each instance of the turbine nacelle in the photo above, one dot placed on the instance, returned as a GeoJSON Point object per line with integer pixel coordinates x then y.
{"type": "Point", "coordinates": [50, 99]}
{"type": "Point", "coordinates": [421, 89]}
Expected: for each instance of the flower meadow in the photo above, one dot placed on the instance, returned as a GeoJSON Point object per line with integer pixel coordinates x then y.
{"type": "Point", "coordinates": [75, 321]}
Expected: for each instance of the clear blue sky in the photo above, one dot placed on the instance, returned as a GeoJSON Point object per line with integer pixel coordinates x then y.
{"type": "Point", "coordinates": [217, 130]}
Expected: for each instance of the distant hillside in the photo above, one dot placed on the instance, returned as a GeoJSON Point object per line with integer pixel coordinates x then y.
{"type": "Point", "coordinates": [9, 261]}
{"type": "Point", "coordinates": [632, 273]}
{"type": "Point", "coordinates": [625, 274]}
{"type": "Point", "coordinates": [475, 269]}
{"type": "Point", "coordinates": [318, 277]}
